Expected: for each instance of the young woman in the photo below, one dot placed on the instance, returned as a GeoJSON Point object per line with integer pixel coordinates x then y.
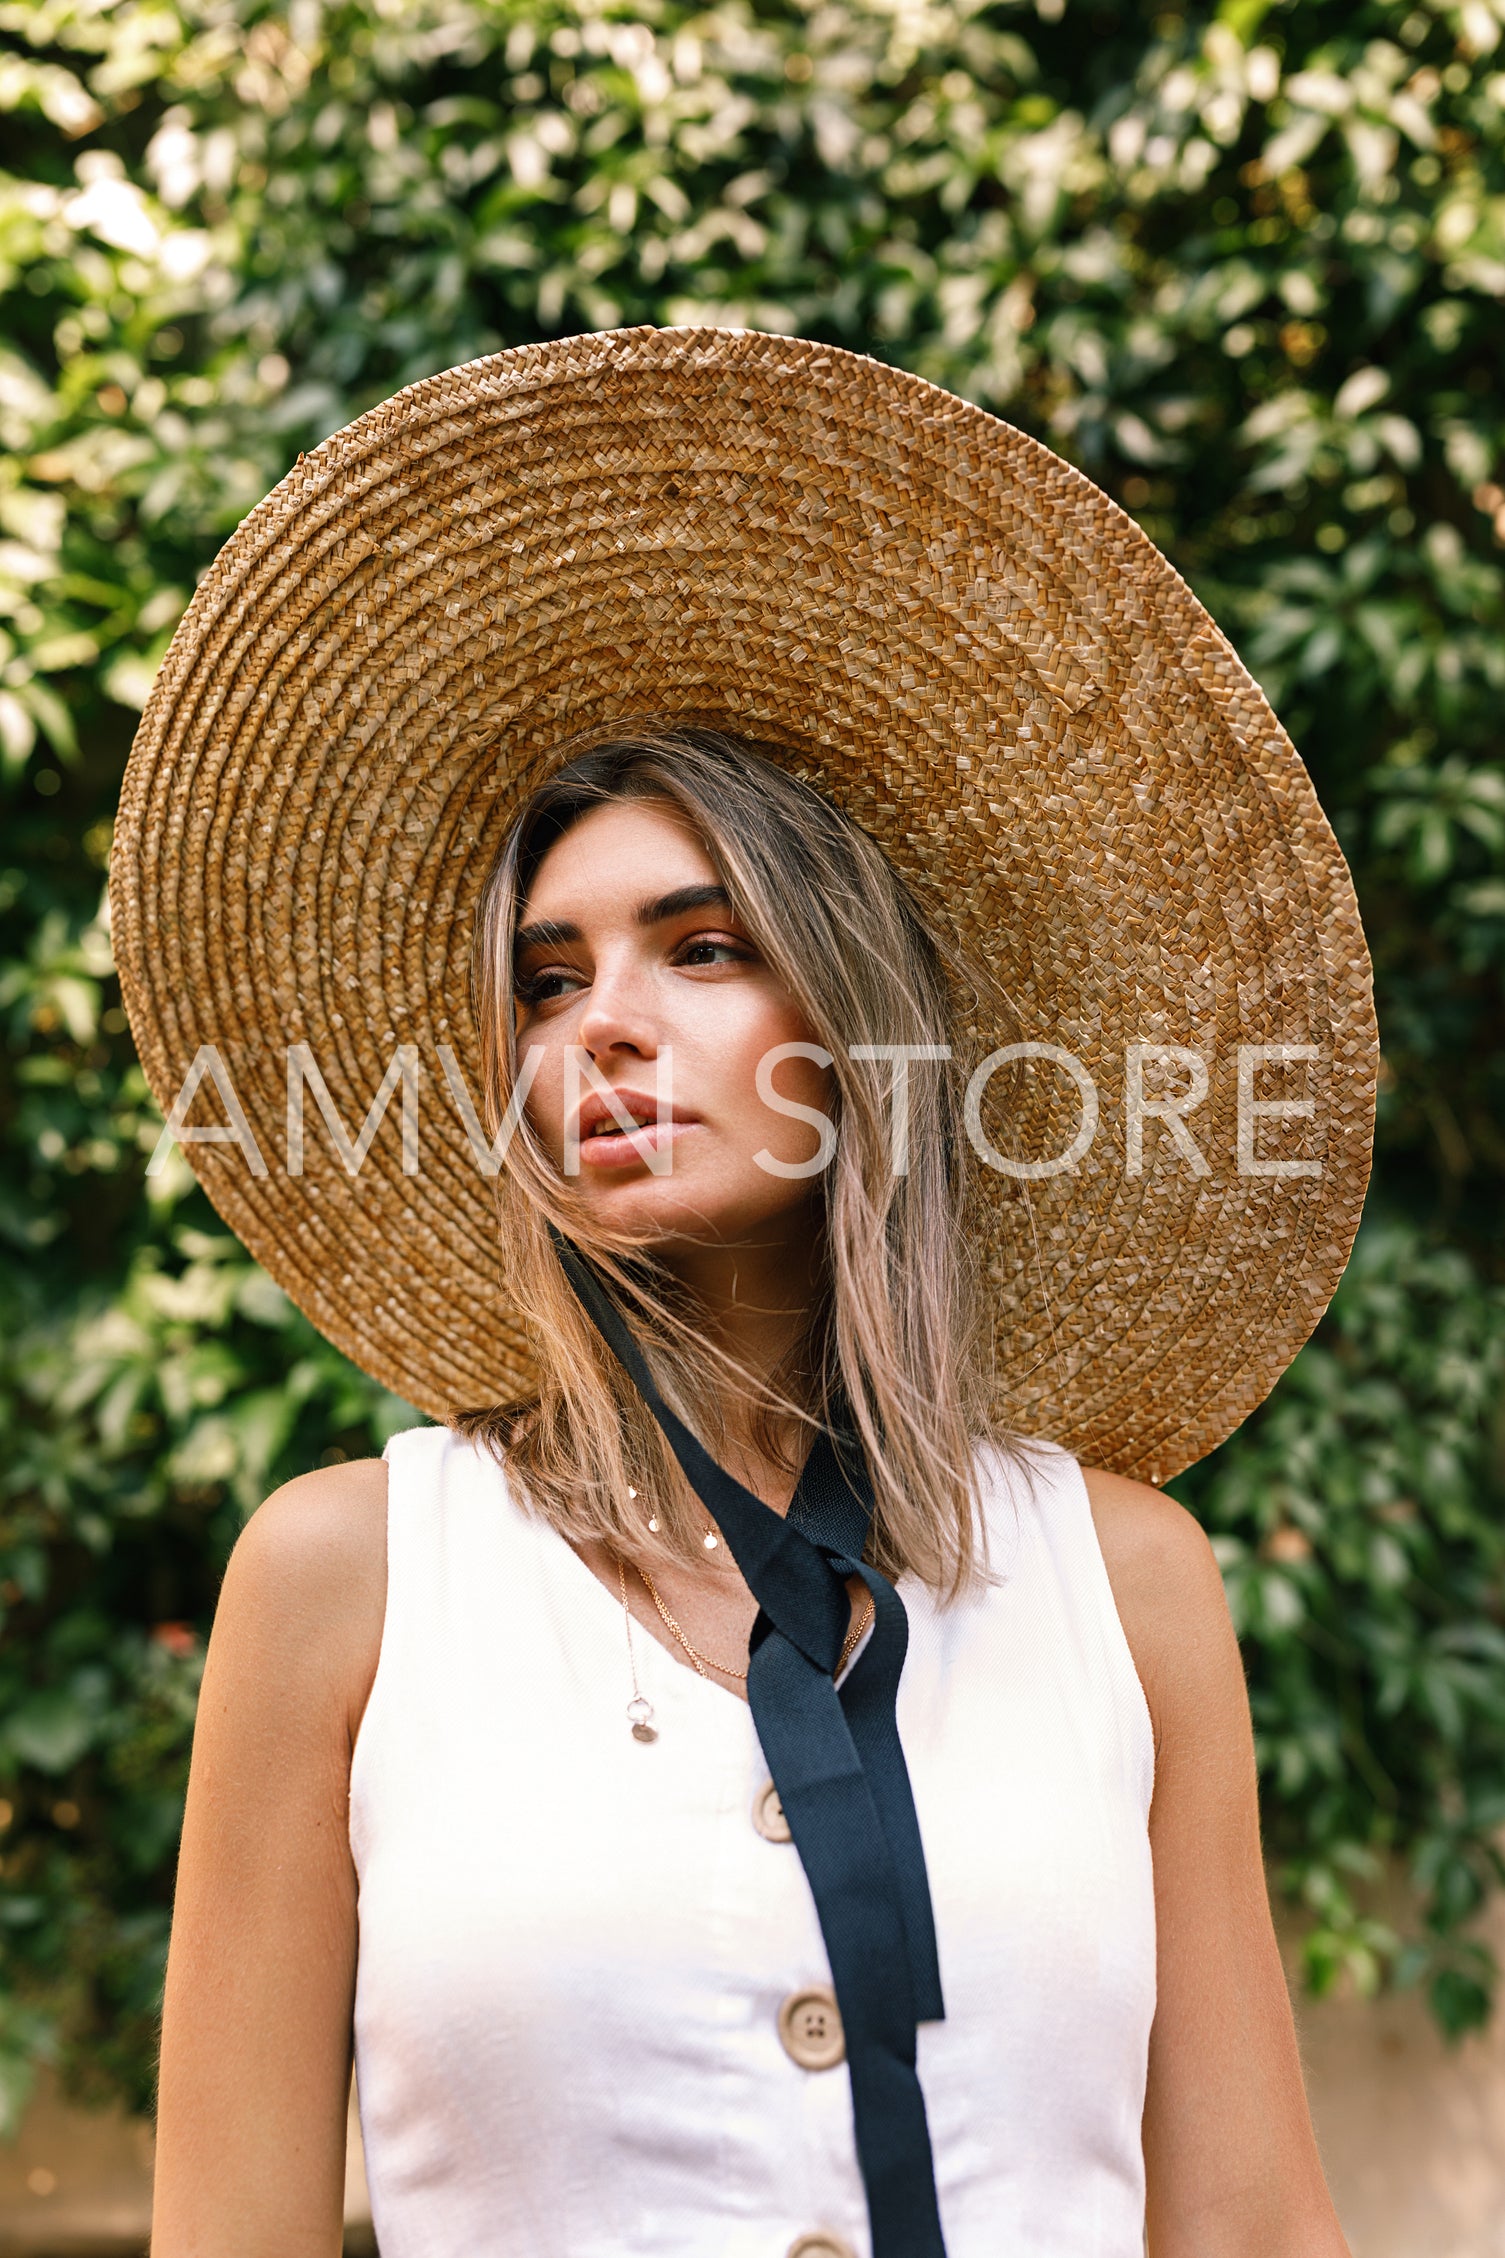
{"type": "Point", "coordinates": [476, 1785]}
{"type": "Point", "coordinates": [735, 1785]}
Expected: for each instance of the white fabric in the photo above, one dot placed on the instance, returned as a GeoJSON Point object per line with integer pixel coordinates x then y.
{"type": "Point", "coordinates": [573, 1946]}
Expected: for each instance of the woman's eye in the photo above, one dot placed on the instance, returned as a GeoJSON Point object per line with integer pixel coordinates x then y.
{"type": "Point", "coordinates": [542, 987]}
{"type": "Point", "coordinates": [708, 948]}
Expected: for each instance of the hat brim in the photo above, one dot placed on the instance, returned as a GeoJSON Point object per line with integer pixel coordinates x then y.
{"type": "Point", "coordinates": [949, 631]}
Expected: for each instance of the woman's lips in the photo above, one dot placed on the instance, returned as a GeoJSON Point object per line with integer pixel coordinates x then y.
{"type": "Point", "coordinates": [619, 1148]}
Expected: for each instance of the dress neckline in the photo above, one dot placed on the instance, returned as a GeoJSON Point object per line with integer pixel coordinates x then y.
{"type": "Point", "coordinates": [676, 1662]}
{"type": "Point", "coordinates": [681, 1665]}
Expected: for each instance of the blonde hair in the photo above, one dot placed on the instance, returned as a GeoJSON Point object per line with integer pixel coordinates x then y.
{"type": "Point", "coordinates": [897, 1329]}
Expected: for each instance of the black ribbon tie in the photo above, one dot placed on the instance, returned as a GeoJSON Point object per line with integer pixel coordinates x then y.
{"type": "Point", "coordinates": [838, 1766]}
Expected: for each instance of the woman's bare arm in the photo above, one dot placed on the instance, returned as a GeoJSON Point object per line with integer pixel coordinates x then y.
{"type": "Point", "coordinates": [256, 2034]}
{"type": "Point", "coordinates": [1231, 2159]}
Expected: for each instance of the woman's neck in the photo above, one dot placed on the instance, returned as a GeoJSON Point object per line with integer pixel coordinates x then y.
{"type": "Point", "coordinates": [758, 1302]}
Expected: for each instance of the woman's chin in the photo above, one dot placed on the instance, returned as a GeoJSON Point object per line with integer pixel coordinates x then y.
{"type": "Point", "coordinates": [660, 1213]}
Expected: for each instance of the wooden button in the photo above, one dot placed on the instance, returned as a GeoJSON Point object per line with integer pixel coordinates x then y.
{"type": "Point", "coordinates": [768, 1814]}
{"type": "Point", "coordinates": [820, 2246]}
{"type": "Point", "coordinates": [810, 2028]}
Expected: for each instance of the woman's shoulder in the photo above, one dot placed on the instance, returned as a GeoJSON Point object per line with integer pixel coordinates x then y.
{"type": "Point", "coordinates": [306, 1585]}
{"type": "Point", "coordinates": [318, 1533]}
{"type": "Point", "coordinates": [1166, 1583]}
{"type": "Point", "coordinates": [1145, 1535]}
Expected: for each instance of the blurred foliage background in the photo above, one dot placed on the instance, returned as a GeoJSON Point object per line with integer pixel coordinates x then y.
{"type": "Point", "coordinates": [1244, 264]}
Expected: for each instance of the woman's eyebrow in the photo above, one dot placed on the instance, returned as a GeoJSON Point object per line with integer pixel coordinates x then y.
{"type": "Point", "coordinates": [683, 898]}
{"type": "Point", "coordinates": [555, 933]}
{"type": "Point", "coordinates": [548, 933]}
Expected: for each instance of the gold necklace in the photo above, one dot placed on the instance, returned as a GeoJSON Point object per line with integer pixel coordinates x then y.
{"type": "Point", "coordinates": [703, 1662]}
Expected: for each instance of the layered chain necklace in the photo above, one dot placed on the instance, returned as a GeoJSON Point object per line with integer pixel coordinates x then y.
{"type": "Point", "coordinates": [640, 1709]}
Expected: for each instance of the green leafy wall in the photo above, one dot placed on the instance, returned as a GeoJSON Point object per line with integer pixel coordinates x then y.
{"type": "Point", "coordinates": [1246, 266]}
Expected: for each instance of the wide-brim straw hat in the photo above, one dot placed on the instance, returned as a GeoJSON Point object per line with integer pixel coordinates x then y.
{"type": "Point", "coordinates": [946, 629]}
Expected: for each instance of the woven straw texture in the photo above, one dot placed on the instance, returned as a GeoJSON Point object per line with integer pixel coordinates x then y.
{"type": "Point", "coordinates": [954, 634]}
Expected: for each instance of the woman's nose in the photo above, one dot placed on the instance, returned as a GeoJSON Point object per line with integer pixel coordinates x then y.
{"type": "Point", "coordinates": [618, 1013]}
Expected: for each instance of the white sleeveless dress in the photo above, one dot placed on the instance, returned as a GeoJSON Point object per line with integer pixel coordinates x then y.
{"type": "Point", "coordinates": [574, 1946]}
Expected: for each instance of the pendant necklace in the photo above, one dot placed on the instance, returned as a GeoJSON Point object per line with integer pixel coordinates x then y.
{"type": "Point", "coordinates": [639, 1710]}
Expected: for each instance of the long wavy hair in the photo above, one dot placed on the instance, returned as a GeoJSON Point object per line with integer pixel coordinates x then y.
{"type": "Point", "coordinates": [896, 1330]}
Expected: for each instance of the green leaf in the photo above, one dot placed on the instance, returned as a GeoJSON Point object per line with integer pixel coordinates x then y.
{"type": "Point", "coordinates": [50, 1730]}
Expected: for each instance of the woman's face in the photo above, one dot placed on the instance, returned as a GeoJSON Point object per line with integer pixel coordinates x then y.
{"type": "Point", "coordinates": [632, 972]}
